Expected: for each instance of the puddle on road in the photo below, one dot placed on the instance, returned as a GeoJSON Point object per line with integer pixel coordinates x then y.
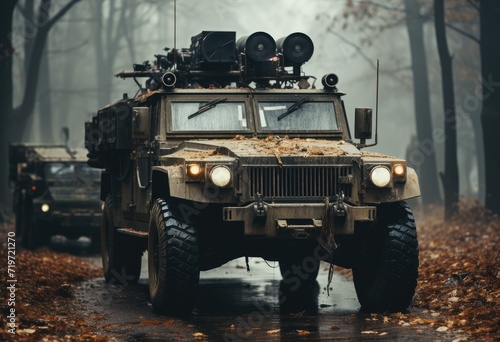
{"type": "Point", "coordinates": [234, 305]}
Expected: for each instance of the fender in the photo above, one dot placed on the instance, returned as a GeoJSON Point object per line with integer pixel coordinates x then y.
{"type": "Point", "coordinates": [170, 181]}
{"type": "Point", "coordinates": [399, 192]}
{"type": "Point", "coordinates": [160, 185]}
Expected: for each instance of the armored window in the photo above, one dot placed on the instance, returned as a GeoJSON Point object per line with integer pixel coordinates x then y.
{"type": "Point", "coordinates": [193, 116]}
{"type": "Point", "coordinates": [307, 116]}
{"type": "Point", "coordinates": [78, 173]}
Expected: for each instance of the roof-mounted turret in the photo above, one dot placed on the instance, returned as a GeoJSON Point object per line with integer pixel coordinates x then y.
{"type": "Point", "coordinates": [217, 59]}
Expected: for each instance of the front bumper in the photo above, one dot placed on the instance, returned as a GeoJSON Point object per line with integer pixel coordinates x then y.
{"type": "Point", "coordinates": [298, 220]}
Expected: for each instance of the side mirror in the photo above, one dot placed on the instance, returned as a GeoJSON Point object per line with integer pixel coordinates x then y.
{"type": "Point", "coordinates": [363, 124]}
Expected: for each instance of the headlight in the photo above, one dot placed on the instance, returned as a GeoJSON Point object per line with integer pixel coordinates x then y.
{"type": "Point", "coordinates": [380, 176]}
{"type": "Point", "coordinates": [220, 176]}
{"type": "Point", "coordinates": [194, 170]}
{"type": "Point", "coordinates": [399, 170]}
{"type": "Point", "coordinates": [45, 208]}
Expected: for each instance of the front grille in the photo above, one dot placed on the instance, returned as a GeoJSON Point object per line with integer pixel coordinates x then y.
{"type": "Point", "coordinates": [297, 181]}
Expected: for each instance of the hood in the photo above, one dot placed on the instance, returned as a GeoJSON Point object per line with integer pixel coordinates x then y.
{"type": "Point", "coordinates": [74, 194]}
{"type": "Point", "coordinates": [240, 147]}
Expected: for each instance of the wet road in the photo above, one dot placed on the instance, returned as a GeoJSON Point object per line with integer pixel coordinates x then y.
{"type": "Point", "coordinates": [236, 305]}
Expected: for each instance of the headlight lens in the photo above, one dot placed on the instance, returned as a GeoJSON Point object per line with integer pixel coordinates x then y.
{"type": "Point", "coordinates": [45, 208]}
{"type": "Point", "coordinates": [380, 176]}
{"type": "Point", "coordinates": [399, 170]}
{"type": "Point", "coordinates": [194, 170]}
{"type": "Point", "coordinates": [220, 176]}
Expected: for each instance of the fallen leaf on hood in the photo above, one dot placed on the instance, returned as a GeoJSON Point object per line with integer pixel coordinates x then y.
{"type": "Point", "coordinates": [275, 331]}
{"type": "Point", "coordinates": [303, 332]}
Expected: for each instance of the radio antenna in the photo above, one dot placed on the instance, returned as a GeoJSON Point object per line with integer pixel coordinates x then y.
{"type": "Point", "coordinates": [175, 34]}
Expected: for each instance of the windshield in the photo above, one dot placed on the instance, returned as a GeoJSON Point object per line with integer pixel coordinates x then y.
{"type": "Point", "coordinates": [78, 173]}
{"type": "Point", "coordinates": [314, 116]}
{"type": "Point", "coordinates": [222, 116]}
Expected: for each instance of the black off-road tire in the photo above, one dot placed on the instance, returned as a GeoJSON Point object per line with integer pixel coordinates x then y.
{"type": "Point", "coordinates": [19, 210]}
{"type": "Point", "coordinates": [386, 274]}
{"type": "Point", "coordinates": [28, 233]}
{"type": "Point", "coordinates": [300, 267]}
{"type": "Point", "coordinates": [120, 253]}
{"type": "Point", "coordinates": [172, 261]}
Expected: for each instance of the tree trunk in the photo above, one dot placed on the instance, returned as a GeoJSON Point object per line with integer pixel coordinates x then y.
{"type": "Point", "coordinates": [425, 157]}
{"type": "Point", "coordinates": [479, 149]}
{"type": "Point", "coordinates": [108, 35]}
{"type": "Point", "coordinates": [490, 116]}
{"type": "Point", "coordinates": [68, 70]}
{"type": "Point", "coordinates": [450, 176]}
{"type": "Point", "coordinates": [22, 113]}
{"type": "Point", "coordinates": [100, 50]}
{"type": "Point", "coordinates": [30, 29]}
{"type": "Point", "coordinates": [45, 101]}
{"type": "Point", "coordinates": [6, 52]}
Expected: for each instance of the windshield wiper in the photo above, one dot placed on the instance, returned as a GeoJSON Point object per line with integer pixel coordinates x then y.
{"type": "Point", "coordinates": [207, 106]}
{"type": "Point", "coordinates": [293, 107]}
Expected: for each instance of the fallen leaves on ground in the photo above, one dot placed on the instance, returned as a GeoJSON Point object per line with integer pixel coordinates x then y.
{"type": "Point", "coordinates": [45, 305]}
{"type": "Point", "coordinates": [459, 274]}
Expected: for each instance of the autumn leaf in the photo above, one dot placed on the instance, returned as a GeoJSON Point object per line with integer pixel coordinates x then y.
{"type": "Point", "coordinates": [303, 332]}
{"type": "Point", "coordinates": [275, 331]}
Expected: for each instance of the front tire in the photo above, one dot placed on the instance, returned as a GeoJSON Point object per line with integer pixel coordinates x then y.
{"type": "Point", "coordinates": [29, 234]}
{"type": "Point", "coordinates": [172, 261]}
{"type": "Point", "coordinates": [121, 254]}
{"type": "Point", "coordinates": [386, 274]}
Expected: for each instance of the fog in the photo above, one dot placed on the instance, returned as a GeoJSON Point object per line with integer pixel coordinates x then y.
{"type": "Point", "coordinates": [75, 94]}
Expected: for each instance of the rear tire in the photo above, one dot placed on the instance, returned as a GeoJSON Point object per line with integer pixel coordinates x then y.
{"type": "Point", "coordinates": [121, 254]}
{"type": "Point", "coordinates": [386, 274]}
{"type": "Point", "coordinates": [172, 261]}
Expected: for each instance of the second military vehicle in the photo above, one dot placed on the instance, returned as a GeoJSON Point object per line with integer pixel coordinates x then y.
{"type": "Point", "coordinates": [55, 193]}
{"type": "Point", "coordinates": [228, 151]}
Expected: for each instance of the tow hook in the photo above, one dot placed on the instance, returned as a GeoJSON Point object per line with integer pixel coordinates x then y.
{"type": "Point", "coordinates": [339, 208]}
{"type": "Point", "coordinates": [260, 208]}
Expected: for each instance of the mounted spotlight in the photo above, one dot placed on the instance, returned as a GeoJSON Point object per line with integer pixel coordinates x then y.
{"type": "Point", "coordinates": [213, 50]}
{"type": "Point", "coordinates": [168, 79]}
{"type": "Point", "coordinates": [329, 81]}
{"type": "Point", "coordinates": [296, 48]}
{"type": "Point", "coordinates": [258, 46]}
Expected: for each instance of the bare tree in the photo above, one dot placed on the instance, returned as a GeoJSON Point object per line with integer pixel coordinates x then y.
{"type": "Point", "coordinates": [14, 119]}
{"type": "Point", "coordinates": [427, 168]}
{"type": "Point", "coordinates": [25, 109]}
{"type": "Point", "coordinates": [490, 116]}
{"type": "Point", "coordinates": [450, 175]}
{"type": "Point", "coordinates": [6, 88]}
{"type": "Point", "coordinates": [371, 22]}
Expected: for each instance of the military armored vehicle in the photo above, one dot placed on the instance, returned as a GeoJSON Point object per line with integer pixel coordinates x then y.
{"type": "Point", "coordinates": [55, 193]}
{"type": "Point", "coordinates": [228, 150]}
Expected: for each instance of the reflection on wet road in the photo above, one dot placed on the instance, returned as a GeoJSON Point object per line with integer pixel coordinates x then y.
{"type": "Point", "coordinates": [235, 305]}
